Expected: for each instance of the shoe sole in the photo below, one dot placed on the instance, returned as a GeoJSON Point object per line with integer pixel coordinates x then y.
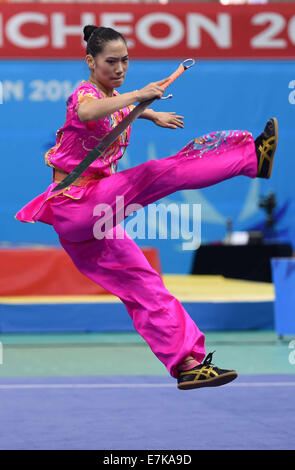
{"type": "Point", "coordinates": [213, 382]}
{"type": "Point", "coordinates": [275, 146]}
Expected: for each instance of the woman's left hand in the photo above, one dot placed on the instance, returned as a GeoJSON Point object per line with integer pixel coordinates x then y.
{"type": "Point", "coordinates": [168, 119]}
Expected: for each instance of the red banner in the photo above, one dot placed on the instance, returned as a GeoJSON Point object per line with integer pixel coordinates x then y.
{"type": "Point", "coordinates": [153, 31]}
{"type": "Point", "coordinates": [25, 271]}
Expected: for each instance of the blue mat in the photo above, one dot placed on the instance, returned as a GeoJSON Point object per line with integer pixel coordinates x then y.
{"type": "Point", "coordinates": [140, 412]}
{"type": "Point", "coordinates": [111, 316]}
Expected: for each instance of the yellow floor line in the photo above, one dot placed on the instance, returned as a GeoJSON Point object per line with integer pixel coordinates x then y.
{"type": "Point", "coordinates": [187, 288]}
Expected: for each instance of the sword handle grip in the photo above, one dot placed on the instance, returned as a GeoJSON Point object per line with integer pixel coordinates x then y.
{"type": "Point", "coordinates": [186, 64]}
{"type": "Point", "coordinates": [173, 76]}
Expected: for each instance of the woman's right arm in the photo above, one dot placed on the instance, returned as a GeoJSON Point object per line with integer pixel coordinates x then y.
{"type": "Point", "coordinates": [95, 109]}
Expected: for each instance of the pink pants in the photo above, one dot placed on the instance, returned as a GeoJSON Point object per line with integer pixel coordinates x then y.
{"type": "Point", "coordinates": [119, 265]}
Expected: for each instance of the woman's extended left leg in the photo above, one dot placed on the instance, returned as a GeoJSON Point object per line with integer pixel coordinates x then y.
{"type": "Point", "coordinates": [205, 161]}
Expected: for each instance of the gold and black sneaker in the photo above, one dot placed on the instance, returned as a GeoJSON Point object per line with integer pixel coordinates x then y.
{"type": "Point", "coordinates": [205, 375]}
{"type": "Point", "coordinates": [266, 144]}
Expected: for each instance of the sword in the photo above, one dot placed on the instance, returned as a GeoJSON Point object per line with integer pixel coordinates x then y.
{"type": "Point", "coordinates": [112, 136]}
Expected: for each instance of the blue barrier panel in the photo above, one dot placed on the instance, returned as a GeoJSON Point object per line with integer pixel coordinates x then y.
{"type": "Point", "coordinates": [283, 271]}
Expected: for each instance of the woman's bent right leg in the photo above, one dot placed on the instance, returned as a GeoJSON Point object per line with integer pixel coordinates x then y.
{"type": "Point", "coordinates": [118, 265]}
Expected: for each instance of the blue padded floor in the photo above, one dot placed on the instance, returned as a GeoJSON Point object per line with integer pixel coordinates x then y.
{"type": "Point", "coordinates": [144, 412]}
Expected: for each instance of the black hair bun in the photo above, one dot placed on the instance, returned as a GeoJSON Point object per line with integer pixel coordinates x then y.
{"type": "Point", "coordinates": [88, 30]}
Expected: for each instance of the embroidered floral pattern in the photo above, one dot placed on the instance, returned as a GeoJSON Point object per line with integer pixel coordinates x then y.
{"type": "Point", "coordinates": [216, 141]}
{"type": "Point", "coordinates": [212, 141]}
{"type": "Point", "coordinates": [85, 95]}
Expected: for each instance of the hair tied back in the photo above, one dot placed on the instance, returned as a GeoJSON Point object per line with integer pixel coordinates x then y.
{"type": "Point", "coordinates": [98, 36]}
{"type": "Point", "coordinates": [88, 30]}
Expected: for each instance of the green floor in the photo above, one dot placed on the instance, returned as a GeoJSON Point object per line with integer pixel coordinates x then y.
{"type": "Point", "coordinates": [36, 355]}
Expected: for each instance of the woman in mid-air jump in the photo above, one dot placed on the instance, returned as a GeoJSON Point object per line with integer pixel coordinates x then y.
{"type": "Point", "coordinates": [115, 261]}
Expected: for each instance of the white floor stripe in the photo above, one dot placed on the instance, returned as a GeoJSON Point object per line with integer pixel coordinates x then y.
{"type": "Point", "coordinates": [34, 386]}
{"type": "Point", "coordinates": [156, 385]}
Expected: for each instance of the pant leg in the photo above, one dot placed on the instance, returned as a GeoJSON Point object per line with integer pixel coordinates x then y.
{"type": "Point", "coordinates": [119, 265]}
{"type": "Point", "coordinates": [205, 161]}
